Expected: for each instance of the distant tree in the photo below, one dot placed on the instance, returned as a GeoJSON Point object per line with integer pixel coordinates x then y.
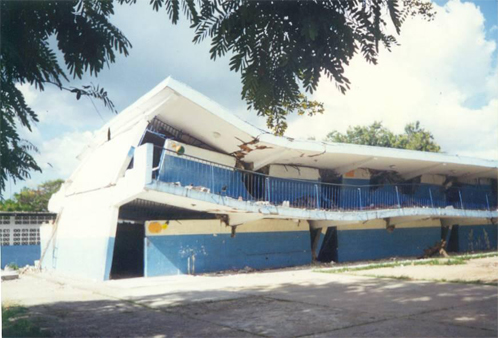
{"type": "Point", "coordinates": [414, 137]}
{"type": "Point", "coordinates": [373, 135]}
{"type": "Point", "coordinates": [32, 199]}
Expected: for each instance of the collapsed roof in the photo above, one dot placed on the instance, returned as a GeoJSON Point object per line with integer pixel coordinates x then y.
{"type": "Point", "coordinates": [191, 112]}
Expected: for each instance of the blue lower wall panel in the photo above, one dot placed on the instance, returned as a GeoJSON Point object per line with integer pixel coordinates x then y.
{"type": "Point", "coordinates": [477, 237]}
{"type": "Point", "coordinates": [109, 257]}
{"type": "Point", "coordinates": [183, 254]}
{"type": "Point", "coordinates": [368, 244]}
{"type": "Point", "coordinates": [21, 255]}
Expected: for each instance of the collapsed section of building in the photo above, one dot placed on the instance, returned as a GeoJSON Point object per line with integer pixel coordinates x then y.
{"type": "Point", "coordinates": [177, 185]}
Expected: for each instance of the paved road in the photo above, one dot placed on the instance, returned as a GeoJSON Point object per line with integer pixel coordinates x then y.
{"type": "Point", "coordinates": [296, 303]}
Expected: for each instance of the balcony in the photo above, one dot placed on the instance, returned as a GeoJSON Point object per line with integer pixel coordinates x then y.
{"type": "Point", "coordinates": [242, 185]}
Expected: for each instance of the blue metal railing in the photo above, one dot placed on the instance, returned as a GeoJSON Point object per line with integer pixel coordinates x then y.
{"type": "Point", "coordinates": [246, 185]}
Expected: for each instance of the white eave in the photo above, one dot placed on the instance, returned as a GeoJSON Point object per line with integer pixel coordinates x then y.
{"type": "Point", "coordinates": [188, 110]}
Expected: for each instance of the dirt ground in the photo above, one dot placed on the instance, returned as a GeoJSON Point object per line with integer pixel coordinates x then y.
{"type": "Point", "coordinates": [279, 303]}
{"type": "Point", "coordinates": [483, 270]}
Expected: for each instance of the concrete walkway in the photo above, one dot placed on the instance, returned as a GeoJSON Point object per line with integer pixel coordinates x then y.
{"type": "Point", "coordinates": [283, 303]}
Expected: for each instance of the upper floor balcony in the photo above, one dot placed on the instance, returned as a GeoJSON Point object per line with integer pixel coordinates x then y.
{"type": "Point", "coordinates": [242, 185]}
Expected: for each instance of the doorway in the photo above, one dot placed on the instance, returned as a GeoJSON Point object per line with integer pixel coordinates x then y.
{"type": "Point", "coordinates": [128, 257]}
{"type": "Point", "coordinates": [328, 252]}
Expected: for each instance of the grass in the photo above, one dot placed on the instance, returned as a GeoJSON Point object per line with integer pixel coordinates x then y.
{"type": "Point", "coordinates": [13, 266]}
{"type": "Point", "coordinates": [466, 257]}
{"type": "Point", "coordinates": [454, 260]}
{"type": "Point", "coordinates": [16, 323]}
{"type": "Point", "coordinates": [446, 261]}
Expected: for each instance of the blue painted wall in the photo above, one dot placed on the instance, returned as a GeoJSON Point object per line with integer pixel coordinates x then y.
{"type": "Point", "coordinates": [477, 237]}
{"type": "Point", "coordinates": [311, 194]}
{"type": "Point", "coordinates": [367, 244]}
{"type": "Point", "coordinates": [383, 196]}
{"type": "Point", "coordinates": [387, 196]}
{"type": "Point", "coordinates": [302, 193]}
{"type": "Point", "coordinates": [167, 255]}
{"type": "Point", "coordinates": [182, 254]}
{"type": "Point", "coordinates": [21, 255]}
{"type": "Point", "coordinates": [220, 180]}
{"type": "Point", "coordinates": [474, 196]}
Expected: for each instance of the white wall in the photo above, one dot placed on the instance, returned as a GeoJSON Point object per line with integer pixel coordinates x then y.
{"type": "Point", "coordinates": [84, 240]}
{"type": "Point", "coordinates": [201, 153]}
{"type": "Point", "coordinates": [88, 205]}
{"type": "Point", "coordinates": [21, 229]}
{"type": "Point", "coordinates": [103, 165]}
{"type": "Point", "coordinates": [291, 171]}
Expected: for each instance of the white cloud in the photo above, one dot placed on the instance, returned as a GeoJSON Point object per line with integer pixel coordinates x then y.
{"type": "Point", "coordinates": [60, 135]}
{"type": "Point", "coordinates": [441, 74]}
{"type": "Point", "coordinates": [56, 156]}
{"type": "Point", "coordinates": [60, 108]}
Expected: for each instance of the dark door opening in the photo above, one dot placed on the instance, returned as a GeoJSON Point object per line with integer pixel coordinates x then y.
{"type": "Point", "coordinates": [128, 258]}
{"type": "Point", "coordinates": [453, 239]}
{"type": "Point", "coordinates": [328, 252]}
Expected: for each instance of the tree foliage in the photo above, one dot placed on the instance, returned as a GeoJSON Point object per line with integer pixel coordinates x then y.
{"type": "Point", "coordinates": [88, 42]}
{"type": "Point", "coordinates": [280, 48]}
{"type": "Point", "coordinates": [413, 138]}
{"type": "Point", "coordinates": [32, 199]}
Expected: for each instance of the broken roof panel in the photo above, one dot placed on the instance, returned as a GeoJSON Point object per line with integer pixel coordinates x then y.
{"type": "Point", "coordinates": [186, 109]}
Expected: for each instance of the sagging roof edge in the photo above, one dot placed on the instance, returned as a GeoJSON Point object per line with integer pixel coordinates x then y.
{"type": "Point", "coordinates": [219, 111]}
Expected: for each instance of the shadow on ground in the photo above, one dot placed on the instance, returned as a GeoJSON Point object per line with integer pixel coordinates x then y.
{"type": "Point", "coordinates": [342, 306]}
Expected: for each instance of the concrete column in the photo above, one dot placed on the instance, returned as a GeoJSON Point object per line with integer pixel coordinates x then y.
{"type": "Point", "coordinates": [142, 163]}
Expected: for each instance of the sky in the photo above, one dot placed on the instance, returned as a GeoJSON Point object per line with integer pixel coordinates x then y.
{"type": "Point", "coordinates": [444, 74]}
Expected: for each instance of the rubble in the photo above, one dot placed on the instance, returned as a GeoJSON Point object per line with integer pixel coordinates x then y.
{"type": "Point", "coordinates": [9, 274]}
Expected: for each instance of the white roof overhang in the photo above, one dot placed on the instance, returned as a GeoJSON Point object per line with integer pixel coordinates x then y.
{"type": "Point", "coordinates": [183, 108]}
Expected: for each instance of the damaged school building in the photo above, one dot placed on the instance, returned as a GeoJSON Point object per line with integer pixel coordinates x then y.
{"type": "Point", "coordinates": [175, 184]}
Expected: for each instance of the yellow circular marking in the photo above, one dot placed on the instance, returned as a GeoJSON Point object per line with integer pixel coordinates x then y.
{"type": "Point", "coordinates": [155, 227]}
{"type": "Point", "coordinates": [165, 226]}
